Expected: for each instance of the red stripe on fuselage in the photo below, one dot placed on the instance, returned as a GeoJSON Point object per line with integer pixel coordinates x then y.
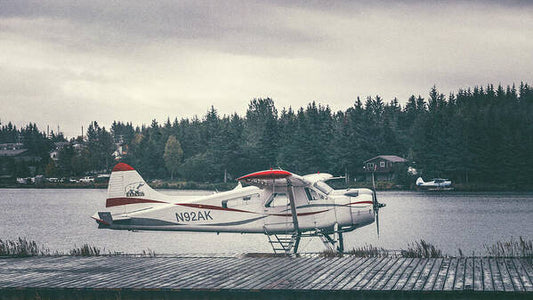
{"type": "Point", "coordinates": [110, 202]}
{"type": "Point", "coordinates": [299, 214]}
{"type": "Point", "coordinates": [213, 207]}
{"type": "Point", "coordinates": [361, 202]}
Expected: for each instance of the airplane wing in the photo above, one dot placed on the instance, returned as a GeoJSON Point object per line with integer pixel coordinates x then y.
{"type": "Point", "coordinates": [312, 178]}
{"type": "Point", "coordinates": [273, 178]}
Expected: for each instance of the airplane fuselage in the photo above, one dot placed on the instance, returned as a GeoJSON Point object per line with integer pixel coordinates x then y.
{"type": "Point", "coordinates": [244, 210]}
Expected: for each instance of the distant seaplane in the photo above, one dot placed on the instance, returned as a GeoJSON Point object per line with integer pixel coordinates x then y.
{"type": "Point", "coordinates": [434, 184]}
{"type": "Point", "coordinates": [284, 206]}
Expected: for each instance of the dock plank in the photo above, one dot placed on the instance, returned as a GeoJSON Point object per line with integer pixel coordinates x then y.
{"type": "Point", "coordinates": [378, 263]}
{"type": "Point", "coordinates": [199, 273]}
{"type": "Point", "coordinates": [340, 276]}
{"type": "Point", "coordinates": [247, 269]}
{"type": "Point", "coordinates": [353, 272]}
{"type": "Point", "coordinates": [289, 277]}
{"type": "Point", "coordinates": [469, 274]}
{"type": "Point", "coordinates": [307, 267]}
{"type": "Point", "coordinates": [488, 282]}
{"type": "Point", "coordinates": [331, 265]}
{"type": "Point", "coordinates": [513, 273]}
{"type": "Point", "coordinates": [449, 282]}
{"type": "Point", "coordinates": [496, 275]}
{"type": "Point", "coordinates": [478, 275]}
{"type": "Point", "coordinates": [521, 272]}
{"type": "Point", "coordinates": [406, 274]}
{"type": "Point", "coordinates": [397, 274]}
{"type": "Point", "coordinates": [308, 273]}
{"type": "Point", "coordinates": [423, 276]}
{"type": "Point", "coordinates": [432, 276]}
{"type": "Point", "coordinates": [416, 273]}
{"type": "Point", "coordinates": [506, 278]}
{"type": "Point", "coordinates": [375, 275]}
{"type": "Point", "coordinates": [460, 274]}
{"type": "Point", "coordinates": [389, 274]}
{"type": "Point", "coordinates": [314, 266]}
{"type": "Point", "coordinates": [335, 266]}
{"type": "Point", "coordinates": [442, 274]}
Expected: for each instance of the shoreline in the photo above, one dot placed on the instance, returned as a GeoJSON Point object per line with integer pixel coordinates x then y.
{"type": "Point", "coordinates": [380, 186]}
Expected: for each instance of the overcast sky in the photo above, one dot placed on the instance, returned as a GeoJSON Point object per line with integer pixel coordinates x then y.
{"type": "Point", "coordinates": [67, 63]}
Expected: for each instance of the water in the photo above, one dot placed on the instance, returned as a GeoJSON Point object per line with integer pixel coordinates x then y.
{"type": "Point", "coordinates": [60, 220]}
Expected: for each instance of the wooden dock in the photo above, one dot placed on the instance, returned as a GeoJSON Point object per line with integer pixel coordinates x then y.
{"type": "Point", "coordinates": [234, 277]}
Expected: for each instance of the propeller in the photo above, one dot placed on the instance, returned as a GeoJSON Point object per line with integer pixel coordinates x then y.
{"type": "Point", "coordinates": [377, 205]}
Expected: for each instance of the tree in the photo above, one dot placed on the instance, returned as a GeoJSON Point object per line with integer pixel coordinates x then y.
{"type": "Point", "coordinates": [173, 155]}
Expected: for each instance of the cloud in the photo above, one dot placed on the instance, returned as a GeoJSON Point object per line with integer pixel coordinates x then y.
{"type": "Point", "coordinates": [69, 63]}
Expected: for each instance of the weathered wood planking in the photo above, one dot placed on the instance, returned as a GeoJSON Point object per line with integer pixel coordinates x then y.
{"type": "Point", "coordinates": [526, 281]}
{"type": "Point", "coordinates": [268, 273]}
{"type": "Point", "coordinates": [441, 276]}
{"type": "Point", "coordinates": [378, 277]}
{"type": "Point", "coordinates": [389, 275]}
{"type": "Point", "coordinates": [478, 275]}
{"type": "Point", "coordinates": [406, 274]}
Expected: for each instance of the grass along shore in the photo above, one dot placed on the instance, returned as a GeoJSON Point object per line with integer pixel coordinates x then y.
{"type": "Point", "coordinates": [520, 247]}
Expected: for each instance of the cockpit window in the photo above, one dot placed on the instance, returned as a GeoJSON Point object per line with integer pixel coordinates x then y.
{"type": "Point", "coordinates": [311, 194]}
{"type": "Point", "coordinates": [277, 200]}
{"type": "Point", "coordinates": [323, 187]}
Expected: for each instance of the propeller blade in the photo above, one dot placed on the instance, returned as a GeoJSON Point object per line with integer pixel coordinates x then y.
{"type": "Point", "coordinates": [374, 198]}
{"type": "Point", "coordinates": [377, 205]}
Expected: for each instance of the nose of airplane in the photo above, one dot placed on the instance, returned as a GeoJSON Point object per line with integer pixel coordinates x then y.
{"type": "Point", "coordinates": [362, 208]}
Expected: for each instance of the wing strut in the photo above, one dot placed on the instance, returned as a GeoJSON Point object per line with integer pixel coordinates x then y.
{"type": "Point", "coordinates": [290, 191]}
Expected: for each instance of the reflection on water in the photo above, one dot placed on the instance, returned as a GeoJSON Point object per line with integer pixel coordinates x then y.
{"type": "Point", "coordinates": [60, 220]}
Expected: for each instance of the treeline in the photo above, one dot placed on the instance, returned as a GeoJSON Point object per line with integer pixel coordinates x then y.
{"type": "Point", "coordinates": [484, 135]}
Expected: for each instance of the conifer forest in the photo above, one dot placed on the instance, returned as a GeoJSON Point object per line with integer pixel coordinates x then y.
{"type": "Point", "coordinates": [482, 134]}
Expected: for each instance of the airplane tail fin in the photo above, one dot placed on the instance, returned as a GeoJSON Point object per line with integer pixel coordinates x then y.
{"type": "Point", "coordinates": [419, 181]}
{"type": "Point", "coordinates": [127, 187]}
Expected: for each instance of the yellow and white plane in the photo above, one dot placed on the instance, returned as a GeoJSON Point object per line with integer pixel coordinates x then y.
{"type": "Point", "coordinates": [280, 204]}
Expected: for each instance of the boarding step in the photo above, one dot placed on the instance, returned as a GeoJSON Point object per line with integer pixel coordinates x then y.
{"type": "Point", "coordinates": [281, 243]}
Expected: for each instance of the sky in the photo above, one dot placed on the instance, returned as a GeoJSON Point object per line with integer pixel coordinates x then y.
{"type": "Point", "coordinates": [67, 63]}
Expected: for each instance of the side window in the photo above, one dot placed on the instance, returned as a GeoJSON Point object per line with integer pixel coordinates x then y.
{"type": "Point", "coordinates": [311, 194]}
{"type": "Point", "coordinates": [277, 200]}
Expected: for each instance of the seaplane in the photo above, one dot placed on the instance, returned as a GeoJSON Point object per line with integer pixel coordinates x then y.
{"type": "Point", "coordinates": [282, 205]}
{"type": "Point", "coordinates": [434, 184]}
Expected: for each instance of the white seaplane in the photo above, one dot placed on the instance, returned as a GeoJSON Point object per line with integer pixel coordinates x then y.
{"type": "Point", "coordinates": [434, 184]}
{"type": "Point", "coordinates": [280, 204]}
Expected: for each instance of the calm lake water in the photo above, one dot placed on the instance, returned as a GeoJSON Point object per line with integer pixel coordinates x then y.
{"type": "Point", "coordinates": [60, 220]}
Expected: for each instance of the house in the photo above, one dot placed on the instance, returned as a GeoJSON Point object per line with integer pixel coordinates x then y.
{"type": "Point", "coordinates": [13, 156]}
{"type": "Point", "coordinates": [384, 167]}
{"type": "Point", "coordinates": [16, 152]}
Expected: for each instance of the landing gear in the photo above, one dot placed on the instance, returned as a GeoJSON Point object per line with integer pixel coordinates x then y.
{"type": "Point", "coordinates": [335, 244]}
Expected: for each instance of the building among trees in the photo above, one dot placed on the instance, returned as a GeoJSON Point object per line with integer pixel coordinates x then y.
{"type": "Point", "coordinates": [384, 167]}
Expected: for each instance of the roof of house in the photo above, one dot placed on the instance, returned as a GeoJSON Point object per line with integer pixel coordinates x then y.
{"type": "Point", "coordinates": [392, 158]}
